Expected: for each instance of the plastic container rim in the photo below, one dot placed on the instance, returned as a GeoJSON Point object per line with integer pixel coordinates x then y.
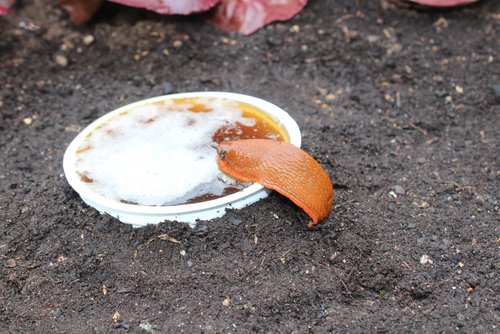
{"type": "Point", "coordinates": [278, 114]}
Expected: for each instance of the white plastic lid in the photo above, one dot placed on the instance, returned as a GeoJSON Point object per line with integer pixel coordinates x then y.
{"type": "Point", "coordinates": [140, 215]}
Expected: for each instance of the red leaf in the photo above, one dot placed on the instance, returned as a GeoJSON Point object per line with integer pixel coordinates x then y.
{"type": "Point", "coordinates": [247, 16]}
{"type": "Point", "coordinates": [80, 11]}
{"type": "Point", "coordinates": [5, 5]}
{"type": "Point", "coordinates": [172, 6]}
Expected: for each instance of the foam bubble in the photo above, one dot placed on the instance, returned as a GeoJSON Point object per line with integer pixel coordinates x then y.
{"type": "Point", "coordinates": [156, 153]}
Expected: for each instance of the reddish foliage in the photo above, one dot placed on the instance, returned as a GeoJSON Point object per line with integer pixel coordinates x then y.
{"type": "Point", "coordinates": [184, 7]}
{"type": "Point", "coordinates": [5, 5]}
{"type": "Point", "coordinates": [80, 11]}
{"type": "Point", "coordinates": [246, 16]}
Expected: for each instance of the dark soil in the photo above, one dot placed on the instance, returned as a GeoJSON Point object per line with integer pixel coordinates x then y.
{"type": "Point", "coordinates": [401, 108]}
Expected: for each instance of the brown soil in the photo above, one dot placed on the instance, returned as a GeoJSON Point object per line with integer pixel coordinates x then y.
{"type": "Point", "coordinates": [401, 108]}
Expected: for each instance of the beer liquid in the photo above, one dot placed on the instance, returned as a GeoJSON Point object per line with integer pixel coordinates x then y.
{"type": "Point", "coordinates": [176, 163]}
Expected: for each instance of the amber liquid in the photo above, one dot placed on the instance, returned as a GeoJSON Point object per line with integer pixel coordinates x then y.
{"type": "Point", "coordinates": [265, 127]}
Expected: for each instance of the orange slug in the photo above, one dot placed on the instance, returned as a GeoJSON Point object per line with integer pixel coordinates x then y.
{"type": "Point", "coordinates": [280, 166]}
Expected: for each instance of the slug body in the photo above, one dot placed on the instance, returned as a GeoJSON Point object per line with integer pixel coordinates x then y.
{"type": "Point", "coordinates": [280, 166]}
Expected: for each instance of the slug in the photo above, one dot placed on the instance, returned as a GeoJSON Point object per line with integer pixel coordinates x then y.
{"type": "Point", "coordinates": [280, 166]}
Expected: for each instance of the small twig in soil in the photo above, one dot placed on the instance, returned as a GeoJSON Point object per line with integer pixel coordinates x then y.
{"type": "Point", "coordinates": [283, 256]}
{"type": "Point", "coordinates": [456, 184]}
{"type": "Point", "coordinates": [184, 297]}
{"type": "Point", "coordinates": [346, 289]}
{"type": "Point", "coordinates": [407, 265]}
{"type": "Point", "coordinates": [168, 238]}
{"type": "Point", "coordinates": [343, 204]}
{"type": "Point", "coordinates": [428, 310]}
{"type": "Point", "coordinates": [417, 127]}
{"type": "Point", "coordinates": [343, 18]}
{"type": "Point", "coordinates": [449, 182]}
{"type": "Point", "coordinates": [349, 276]}
{"type": "Point", "coordinates": [387, 118]}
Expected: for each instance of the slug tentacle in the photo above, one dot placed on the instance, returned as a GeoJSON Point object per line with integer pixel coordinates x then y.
{"type": "Point", "coordinates": [283, 167]}
{"type": "Point", "coordinates": [220, 152]}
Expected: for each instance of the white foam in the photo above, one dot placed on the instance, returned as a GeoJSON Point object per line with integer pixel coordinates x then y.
{"type": "Point", "coordinates": [152, 163]}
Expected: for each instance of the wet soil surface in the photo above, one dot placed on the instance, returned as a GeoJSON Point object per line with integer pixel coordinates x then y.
{"type": "Point", "coordinates": [400, 107]}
